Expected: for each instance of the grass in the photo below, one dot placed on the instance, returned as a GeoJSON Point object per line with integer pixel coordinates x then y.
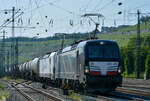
{"type": "Point", "coordinates": [143, 26]}
{"type": "Point", "coordinates": [3, 92]}
{"type": "Point", "coordinates": [9, 79]}
{"type": "Point", "coordinates": [133, 75]}
{"type": "Point", "coordinates": [6, 78]}
{"type": "Point", "coordinates": [1, 87]}
{"type": "Point", "coordinates": [17, 80]}
{"type": "Point", "coordinates": [73, 96]}
{"type": "Point", "coordinates": [121, 39]}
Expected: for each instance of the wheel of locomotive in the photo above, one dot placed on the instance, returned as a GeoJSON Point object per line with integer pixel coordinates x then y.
{"type": "Point", "coordinates": [76, 86]}
{"type": "Point", "coordinates": [85, 90]}
{"type": "Point", "coordinates": [44, 86]}
{"type": "Point", "coordinates": [58, 83]}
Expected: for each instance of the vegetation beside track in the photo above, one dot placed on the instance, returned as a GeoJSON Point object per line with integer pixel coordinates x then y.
{"type": "Point", "coordinates": [3, 92]}
{"type": "Point", "coordinates": [129, 54]}
{"type": "Point", "coordinates": [11, 79]}
{"type": "Point", "coordinates": [73, 96]}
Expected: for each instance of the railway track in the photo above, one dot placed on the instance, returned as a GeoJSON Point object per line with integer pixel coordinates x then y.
{"type": "Point", "coordinates": [127, 97]}
{"type": "Point", "coordinates": [120, 94]}
{"type": "Point", "coordinates": [117, 96]}
{"type": "Point", "coordinates": [44, 93]}
{"type": "Point", "coordinates": [126, 94]}
{"type": "Point", "coordinates": [135, 91]}
{"type": "Point", "coordinates": [143, 87]}
{"type": "Point", "coordinates": [23, 93]}
{"type": "Point", "coordinates": [20, 91]}
{"type": "Point", "coordinates": [34, 91]}
{"type": "Point", "coordinates": [110, 97]}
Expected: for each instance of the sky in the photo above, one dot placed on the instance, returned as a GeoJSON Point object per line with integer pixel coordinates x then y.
{"type": "Point", "coordinates": [44, 18]}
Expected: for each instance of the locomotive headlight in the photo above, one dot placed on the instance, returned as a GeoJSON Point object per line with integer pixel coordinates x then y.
{"type": "Point", "coordinates": [86, 69]}
{"type": "Point", "coordinates": [119, 69]}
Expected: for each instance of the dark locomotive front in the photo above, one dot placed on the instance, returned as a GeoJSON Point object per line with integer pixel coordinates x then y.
{"type": "Point", "coordinates": [102, 65]}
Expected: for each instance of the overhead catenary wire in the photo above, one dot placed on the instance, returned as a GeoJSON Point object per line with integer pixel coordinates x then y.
{"type": "Point", "coordinates": [141, 6]}
{"type": "Point", "coordinates": [34, 9]}
{"type": "Point", "coordinates": [39, 12]}
{"type": "Point", "coordinates": [106, 5]}
{"type": "Point", "coordinates": [9, 21]}
{"type": "Point", "coordinates": [98, 4]}
{"type": "Point", "coordinates": [61, 8]}
{"type": "Point", "coordinates": [52, 4]}
{"type": "Point", "coordinates": [87, 5]}
{"type": "Point", "coordinates": [9, 18]}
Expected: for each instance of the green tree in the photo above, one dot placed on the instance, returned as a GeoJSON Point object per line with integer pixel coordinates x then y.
{"type": "Point", "coordinates": [147, 65]}
{"type": "Point", "coordinates": [123, 59]}
{"type": "Point", "coordinates": [126, 62]}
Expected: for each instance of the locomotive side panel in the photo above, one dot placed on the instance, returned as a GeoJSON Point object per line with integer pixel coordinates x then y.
{"type": "Point", "coordinates": [53, 64]}
{"type": "Point", "coordinates": [44, 67]}
{"type": "Point", "coordinates": [81, 64]}
{"type": "Point", "coordinates": [67, 65]}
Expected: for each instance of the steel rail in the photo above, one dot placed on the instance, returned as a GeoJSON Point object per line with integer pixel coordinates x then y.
{"type": "Point", "coordinates": [136, 86]}
{"type": "Point", "coordinates": [44, 93]}
{"type": "Point", "coordinates": [145, 93]}
{"type": "Point", "coordinates": [23, 93]}
{"type": "Point", "coordinates": [126, 97]}
{"type": "Point", "coordinates": [34, 89]}
{"type": "Point", "coordinates": [106, 98]}
{"type": "Point", "coordinates": [11, 84]}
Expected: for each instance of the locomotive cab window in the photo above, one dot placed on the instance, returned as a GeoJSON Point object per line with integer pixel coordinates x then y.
{"type": "Point", "coordinates": [102, 51]}
{"type": "Point", "coordinates": [111, 51]}
{"type": "Point", "coordinates": [95, 51]}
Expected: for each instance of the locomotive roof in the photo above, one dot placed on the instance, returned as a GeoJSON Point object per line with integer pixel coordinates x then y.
{"type": "Point", "coordinates": [66, 49]}
{"type": "Point", "coordinates": [83, 43]}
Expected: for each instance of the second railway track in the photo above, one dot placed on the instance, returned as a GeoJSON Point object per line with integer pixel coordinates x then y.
{"type": "Point", "coordinates": [139, 92]}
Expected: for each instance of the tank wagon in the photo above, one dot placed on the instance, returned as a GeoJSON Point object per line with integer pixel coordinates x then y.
{"type": "Point", "coordinates": [92, 65]}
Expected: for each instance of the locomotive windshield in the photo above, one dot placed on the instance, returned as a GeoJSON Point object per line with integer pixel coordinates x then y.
{"type": "Point", "coordinates": [107, 51]}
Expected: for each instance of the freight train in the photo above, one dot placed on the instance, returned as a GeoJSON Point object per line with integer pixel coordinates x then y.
{"type": "Point", "coordinates": [91, 65]}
